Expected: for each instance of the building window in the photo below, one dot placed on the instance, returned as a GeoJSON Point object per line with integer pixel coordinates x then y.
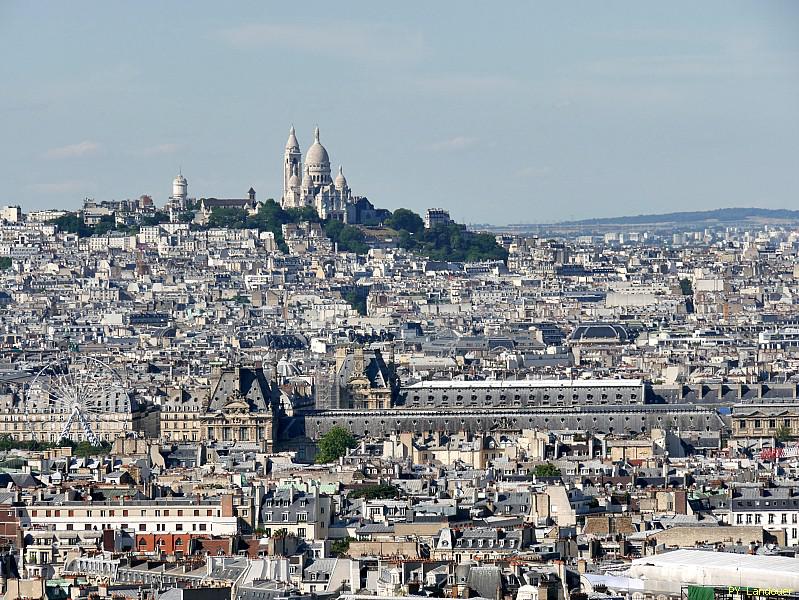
{"type": "Point", "coordinates": [301, 532]}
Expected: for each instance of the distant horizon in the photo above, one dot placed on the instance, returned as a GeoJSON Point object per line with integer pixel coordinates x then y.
{"type": "Point", "coordinates": [611, 218]}
{"type": "Point", "coordinates": [542, 113]}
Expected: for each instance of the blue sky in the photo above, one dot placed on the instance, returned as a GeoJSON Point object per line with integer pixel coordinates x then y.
{"type": "Point", "coordinates": [502, 112]}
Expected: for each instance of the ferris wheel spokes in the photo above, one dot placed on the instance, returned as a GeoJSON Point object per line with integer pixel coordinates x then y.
{"type": "Point", "coordinates": [87, 394]}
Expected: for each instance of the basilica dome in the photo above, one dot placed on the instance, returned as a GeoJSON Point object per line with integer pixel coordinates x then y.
{"type": "Point", "coordinates": [341, 181]}
{"type": "Point", "coordinates": [317, 155]}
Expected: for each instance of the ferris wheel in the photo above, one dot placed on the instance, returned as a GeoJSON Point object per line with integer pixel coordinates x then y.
{"type": "Point", "coordinates": [83, 392]}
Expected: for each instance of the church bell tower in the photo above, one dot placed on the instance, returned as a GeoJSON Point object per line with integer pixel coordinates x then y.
{"type": "Point", "coordinates": [292, 161]}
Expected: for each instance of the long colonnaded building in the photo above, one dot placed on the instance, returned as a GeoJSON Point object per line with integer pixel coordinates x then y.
{"type": "Point", "coordinates": [600, 405]}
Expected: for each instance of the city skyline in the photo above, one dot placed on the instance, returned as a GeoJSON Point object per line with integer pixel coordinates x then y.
{"type": "Point", "coordinates": [558, 113]}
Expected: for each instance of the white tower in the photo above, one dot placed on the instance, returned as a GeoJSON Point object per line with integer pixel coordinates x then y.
{"type": "Point", "coordinates": [292, 159]}
{"type": "Point", "coordinates": [180, 188]}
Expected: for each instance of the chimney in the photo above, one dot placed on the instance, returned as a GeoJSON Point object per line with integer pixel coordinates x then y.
{"type": "Point", "coordinates": [227, 505]}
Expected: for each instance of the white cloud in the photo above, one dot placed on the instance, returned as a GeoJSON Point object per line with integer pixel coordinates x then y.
{"type": "Point", "coordinates": [160, 149]}
{"type": "Point", "coordinates": [368, 42]}
{"type": "Point", "coordinates": [59, 187]}
{"type": "Point", "coordinates": [458, 142]}
{"type": "Point", "coordinates": [73, 150]}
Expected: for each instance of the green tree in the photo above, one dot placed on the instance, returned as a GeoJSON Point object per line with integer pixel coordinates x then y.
{"type": "Point", "coordinates": [156, 218]}
{"type": "Point", "coordinates": [107, 223]}
{"type": "Point", "coordinates": [379, 491]}
{"type": "Point", "coordinates": [686, 288]}
{"type": "Point", "coordinates": [229, 218]}
{"type": "Point", "coordinates": [546, 470]}
{"type": "Point", "coordinates": [72, 223]}
{"type": "Point", "coordinates": [348, 237]}
{"type": "Point", "coordinates": [783, 434]}
{"type": "Point", "coordinates": [82, 449]}
{"type": "Point", "coordinates": [334, 444]}
{"type": "Point", "coordinates": [403, 219]}
{"type": "Point", "coordinates": [340, 547]}
{"type": "Point", "coordinates": [5, 263]}
{"type": "Point", "coordinates": [453, 242]}
{"type": "Point", "coordinates": [357, 298]}
{"type": "Point", "coordinates": [306, 213]}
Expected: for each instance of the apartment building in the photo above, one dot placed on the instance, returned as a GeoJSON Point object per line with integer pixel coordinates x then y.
{"type": "Point", "coordinates": [775, 509]}
{"type": "Point", "coordinates": [295, 513]}
{"type": "Point", "coordinates": [215, 516]}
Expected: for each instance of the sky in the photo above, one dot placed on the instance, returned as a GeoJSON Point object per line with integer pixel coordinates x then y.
{"type": "Point", "coordinates": [503, 113]}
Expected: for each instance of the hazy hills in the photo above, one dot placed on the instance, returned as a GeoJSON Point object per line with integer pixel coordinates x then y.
{"type": "Point", "coordinates": [723, 215]}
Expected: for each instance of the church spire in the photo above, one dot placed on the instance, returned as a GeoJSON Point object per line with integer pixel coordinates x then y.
{"type": "Point", "coordinates": [316, 134]}
{"type": "Point", "coordinates": [292, 143]}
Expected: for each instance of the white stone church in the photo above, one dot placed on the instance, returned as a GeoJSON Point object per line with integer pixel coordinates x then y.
{"type": "Point", "coordinates": [332, 198]}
